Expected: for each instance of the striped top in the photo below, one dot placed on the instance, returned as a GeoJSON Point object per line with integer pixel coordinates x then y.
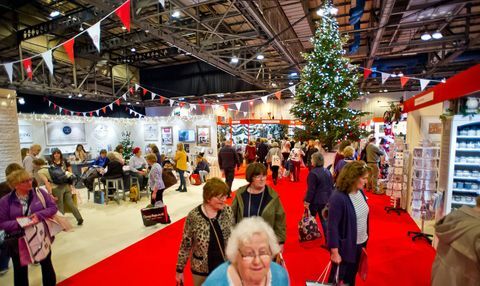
{"type": "Point", "coordinates": [361, 211]}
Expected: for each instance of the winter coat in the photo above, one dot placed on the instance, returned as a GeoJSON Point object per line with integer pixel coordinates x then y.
{"type": "Point", "coordinates": [181, 160]}
{"type": "Point", "coordinates": [274, 151]}
{"type": "Point", "coordinates": [228, 158]}
{"type": "Point", "coordinates": [273, 213]}
{"type": "Point", "coordinates": [320, 186]}
{"type": "Point", "coordinates": [458, 253]}
{"type": "Point", "coordinates": [262, 150]}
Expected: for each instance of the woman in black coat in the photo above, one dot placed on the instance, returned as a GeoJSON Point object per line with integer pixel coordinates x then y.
{"type": "Point", "coordinates": [320, 187]}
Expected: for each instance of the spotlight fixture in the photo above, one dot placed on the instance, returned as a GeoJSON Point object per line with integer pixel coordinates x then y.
{"type": "Point", "coordinates": [260, 57]}
{"type": "Point", "coordinates": [385, 90]}
{"type": "Point", "coordinates": [290, 83]}
{"type": "Point", "coordinates": [400, 74]}
{"type": "Point", "coordinates": [70, 96]}
{"type": "Point", "coordinates": [133, 50]}
{"type": "Point", "coordinates": [437, 35]}
{"type": "Point", "coordinates": [80, 95]}
{"type": "Point", "coordinates": [54, 13]}
{"type": "Point", "coordinates": [124, 28]}
{"type": "Point", "coordinates": [21, 100]}
{"type": "Point", "coordinates": [176, 14]}
{"type": "Point", "coordinates": [426, 36]}
{"type": "Point", "coordinates": [220, 95]}
{"type": "Point", "coordinates": [234, 60]}
{"type": "Point", "coordinates": [294, 74]}
{"type": "Point", "coordinates": [137, 102]}
{"type": "Point", "coordinates": [333, 11]}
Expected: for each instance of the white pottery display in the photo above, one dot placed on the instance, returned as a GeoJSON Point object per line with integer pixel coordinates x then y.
{"type": "Point", "coordinates": [472, 104]}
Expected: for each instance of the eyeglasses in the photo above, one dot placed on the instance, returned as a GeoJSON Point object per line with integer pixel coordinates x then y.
{"type": "Point", "coordinates": [26, 181]}
{"type": "Point", "coordinates": [259, 177]}
{"type": "Point", "coordinates": [249, 257]}
{"type": "Point", "coordinates": [221, 197]}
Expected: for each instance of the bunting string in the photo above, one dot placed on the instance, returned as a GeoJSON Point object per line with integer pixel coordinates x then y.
{"type": "Point", "coordinates": [67, 111]}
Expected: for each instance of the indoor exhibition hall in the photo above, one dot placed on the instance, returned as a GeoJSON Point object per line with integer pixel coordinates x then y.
{"type": "Point", "coordinates": [240, 142]}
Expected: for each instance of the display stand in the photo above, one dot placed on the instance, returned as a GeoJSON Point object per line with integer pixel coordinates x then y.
{"type": "Point", "coordinates": [425, 175]}
{"type": "Point", "coordinates": [397, 178]}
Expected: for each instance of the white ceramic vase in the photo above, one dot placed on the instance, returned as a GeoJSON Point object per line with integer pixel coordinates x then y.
{"type": "Point", "coordinates": [472, 104]}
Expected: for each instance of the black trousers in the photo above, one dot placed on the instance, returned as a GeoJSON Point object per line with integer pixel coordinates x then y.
{"type": "Point", "coordinates": [158, 198]}
{"type": "Point", "coordinates": [348, 271]}
{"type": "Point", "coordinates": [274, 171]}
{"type": "Point", "coordinates": [20, 273]}
{"type": "Point", "coordinates": [229, 176]}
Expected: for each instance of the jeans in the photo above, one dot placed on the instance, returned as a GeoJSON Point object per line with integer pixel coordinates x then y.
{"type": "Point", "coordinates": [183, 184]}
{"type": "Point", "coordinates": [348, 271]}
{"type": "Point", "coordinates": [229, 176]}
{"type": "Point", "coordinates": [20, 273]}
{"type": "Point", "coordinates": [64, 197]}
{"type": "Point", "coordinates": [317, 209]}
{"type": "Point", "coordinates": [203, 175]}
{"type": "Point", "coordinates": [4, 258]}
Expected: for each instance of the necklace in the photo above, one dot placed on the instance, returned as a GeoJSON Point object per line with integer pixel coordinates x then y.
{"type": "Point", "coordinates": [250, 202]}
{"type": "Point", "coordinates": [215, 232]}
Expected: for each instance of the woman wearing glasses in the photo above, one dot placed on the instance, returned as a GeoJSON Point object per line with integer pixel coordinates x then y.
{"type": "Point", "coordinates": [347, 227]}
{"type": "Point", "coordinates": [250, 250]}
{"type": "Point", "coordinates": [24, 201]}
{"type": "Point", "coordinates": [258, 199]}
{"type": "Point", "coordinates": [206, 230]}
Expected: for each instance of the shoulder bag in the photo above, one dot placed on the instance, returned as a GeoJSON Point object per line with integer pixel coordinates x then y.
{"type": "Point", "coordinates": [56, 223]}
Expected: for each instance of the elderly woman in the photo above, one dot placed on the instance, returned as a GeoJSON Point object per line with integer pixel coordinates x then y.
{"type": "Point", "coordinates": [347, 233]}
{"type": "Point", "coordinates": [24, 201]}
{"type": "Point", "coordinates": [206, 230]}
{"type": "Point", "coordinates": [155, 180]}
{"type": "Point", "coordinates": [181, 166]}
{"type": "Point", "coordinates": [138, 166]}
{"type": "Point", "coordinates": [258, 199]}
{"type": "Point", "coordinates": [348, 156]}
{"type": "Point", "coordinates": [274, 159]}
{"type": "Point", "coordinates": [119, 154]}
{"type": "Point", "coordinates": [320, 187]}
{"type": "Point", "coordinates": [295, 157]}
{"type": "Point", "coordinates": [250, 250]}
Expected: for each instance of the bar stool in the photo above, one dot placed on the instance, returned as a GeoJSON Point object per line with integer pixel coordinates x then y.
{"type": "Point", "coordinates": [97, 187]}
{"type": "Point", "coordinates": [134, 180]}
{"type": "Point", "coordinates": [117, 185]}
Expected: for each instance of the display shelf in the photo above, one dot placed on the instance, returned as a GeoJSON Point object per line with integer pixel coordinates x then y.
{"type": "Point", "coordinates": [468, 164]}
{"type": "Point", "coordinates": [468, 137]}
{"type": "Point", "coordinates": [465, 191]}
{"type": "Point", "coordinates": [467, 178]}
{"type": "Point", "coordinates": [464, 203]}
{"type": "Point", "coordinates": [467, 150]}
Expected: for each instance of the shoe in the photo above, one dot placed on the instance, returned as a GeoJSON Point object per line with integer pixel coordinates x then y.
{"type": "Point", "coordinates": [3, 272]}
{"type": "Point", "coordinates": [182, 191]}
{"type": "Point", "coordinates": [80, 221]}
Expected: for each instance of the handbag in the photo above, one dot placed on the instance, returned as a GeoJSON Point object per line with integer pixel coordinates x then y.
{"type": "Point", "coordinates": [363, 265]}
{"type": "Point", "coordinates": [168, 178]}
{"type": "Point", "coordinates": [308, 227]}
{"type": "Point", "coordinates": [152, 215]}
{"type": "Point", "coordinates": [57, 219]}
{"type": "Point", "coordinates": [35, 245]}
{"type": "Point", "coordinates": [324, 275]}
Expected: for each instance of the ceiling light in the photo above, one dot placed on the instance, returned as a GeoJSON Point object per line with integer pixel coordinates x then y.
{"type": "Point", "coordinates": [293, 74]}
{"type": "Point", "coordinates": [70, 96]}
{"type": "Point", "coordinates": [437, 35]}
{"type": "Point", "coordinates": [124, 28]}
{"type": "Point", "coordinates": [234, 60]}
{"type": "Point", "coordinates": [274, 85]}
{"type": "Point", "coordinates": [80, 95]}
{"type": "Point", "coordinates": [147, 31]}
{"type": "Point", "coordinates": [176, 14]}
{"type": "Point", "coordinates": [385, 90]}
{"type": "Point", "coordinates": [128, 103]}
{"type": "Point", "coordinates": [400, 74]}
{"type": "Point", "coordinates": [333, 11]}
{"type": "Point", "coordinates": [290, 83]}
{"type": "Point", "coordinates": [393, 75]}
{"type": "Point", "coordinates": [320, 12]}
{"type": "Point", "coordinates": [426, 36]}
{"type": "Point", "coordinates": [220, 95]}
{"type": "Point", "coordinates": [260, 57]}
{"type": "Point", "coordinates": [137, 102]}
{"type": "Point", "coordinates": [133, 50]}
{"type": "Point", "coordinates": [21, 100]}
{"type": "Point", "coordinates": [55, 13]}
{"type": "Point", "coordinates": [380, 90]}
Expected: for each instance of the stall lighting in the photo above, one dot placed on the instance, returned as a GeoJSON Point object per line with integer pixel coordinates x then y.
{"type": "Point", "coordinates": [294, 74]}
{"type": "Point", "coordinates": [385, 90]}
{"type": "Point", "coordinates": [260, 57]}
{"type": "Point", "coordinates": [133, 50]}
{"type": "Point", "coordinates": [80, 95]}
{"type": "Point", "coordinates": [290, 83]}
{"type": "Point", "coordinates": [220, 95]}
{"type": "Point", "coordinates": [437, 35]}
{"type": "Point", "coordinates": [55, 13]}
{"type": "Point", "coordinates": [400, 74]}
{"type": "Point", "coordinates": [393, 75]}
{"type": "Point", "coordinates": [124, 28]}
{"type": "Point", "coordinates": [234, 60]}
{"type": "Point", "coordinates": [128, 103]}
{"type": "Point", "coordinates": [21, 100]}
{"type": "Point", "coordinates": [137, 102]}
{"type": "Point", "coordinates": [69, 96]}
{"type": "Point", "coordinates": [176, 14]}
{"type": "Point", "coordinates": [426, 36]}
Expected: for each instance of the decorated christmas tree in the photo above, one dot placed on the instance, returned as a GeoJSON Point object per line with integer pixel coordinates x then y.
{"type": "Point", "coordinates": [127, 144]}
{"type": "Point", "coordinates": [327, 87]}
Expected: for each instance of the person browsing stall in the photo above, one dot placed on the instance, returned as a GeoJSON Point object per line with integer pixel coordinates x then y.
{"type": "Point", "coordinates": [155, 180]}
{"type": "Point", "coordinates": [138, 166]}
{"type": "Point", "coordinates": [228, 160]}
{"type": "Point", "coordinates": [181, 166]}
{"type": "Point", "coordinates": [35, 150]}
{"type": "Point", "coordinates": [206, 230]}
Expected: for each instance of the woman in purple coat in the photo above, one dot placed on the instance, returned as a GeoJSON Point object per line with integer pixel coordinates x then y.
{"type": "Point", "coordinates": [21, 202]}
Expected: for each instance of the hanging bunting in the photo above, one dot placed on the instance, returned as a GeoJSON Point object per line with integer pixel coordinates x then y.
{"type": "Point", "coordinates": [403, 80]}
{"type": "Point", "coordinates": [117, 102]}
{"type": "Point", "coordinates": [153, 95]}
{"type": "Point", "coordinates": [202, 107]}
{"type": "Point", "coordinates": [131, 90]}
{"type": "Point", "coordinates": [136, 87]}
{"type": "Point", "coordinates": [171, 102]}
{"type": "Point", "coordinates": [111, 106]}
{"type": "Point", "coordinates": [60, 109]}
{"type": "Point", "coordinates": [49, 103]}
{"type": "Point", "coordinates": [97, 112]}
{"type": "Point", "coordinates": [239, 105]}
{"type": "Point", "coordinates": [293, 89]}
{"type": "Point", "coordinates": [94, 32]}
{"type": "Point", "coordinates": [123, 12]}
{"type": "Point", "coordinates": [54, 106]}
{"type": "Point", "coordinates": [424, 83]}
{"type": "Point", "coordinates": [366, 72]}
{"type": "Point", "coordinates": [78, 113]}
{"type": "Point", "coordinates": [144, 91]}
{"type": "Point", "coordinates": [385, 76]}
{"type": "Point", "coordinates": [193, 106]}
{"type": "Point", "coordinates": [264, 99]}
{"type": "Point", "coordinates": [91, 113]}
{"type": "Point", "coordinates": [27, 64]}
{"type": "Point", "coordinates": [162, 99]}
{"type": "Point", "coordinates": [47, 58]}
{"type": "Point", "coordinates": [278, 95]}
{"type": "Point", "coordinates": [68, 46]}
{"type": "Point", "coordinates": [225, 106]}
{"type": "Point", "coordinates": [181, 104]}
{"type": "Point", "coordinates": [162, 2]}
{"type": "Point", "coordinates": [72, 113]}
{"type": "Point", "coordinates": [245, 114]}
{"type": "Point", "coordinates": [84, 113]}
{"type": "Point", "coordinates": [9, 70]}
{"type": "Point", "coordinates": [104, 109]}
{"type": "Point", "coordinates": [124, 96]}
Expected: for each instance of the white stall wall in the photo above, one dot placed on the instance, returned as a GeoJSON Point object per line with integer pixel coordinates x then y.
{"type": "Point", "coordinates": [9, 141]}
{"type": "Point", "coordinates": [106, 133]}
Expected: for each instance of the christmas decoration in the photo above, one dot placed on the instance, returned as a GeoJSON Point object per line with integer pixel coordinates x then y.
{"type": "Point", "coordinates": [127, 144]}
{"type": "Point", "coordinates": [328, 84]}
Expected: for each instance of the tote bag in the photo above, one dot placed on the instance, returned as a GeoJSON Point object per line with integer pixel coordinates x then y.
{"type": "Point", "coordinates": [35, 245]}
{"type": "Point", "coordinates": [308, 227]}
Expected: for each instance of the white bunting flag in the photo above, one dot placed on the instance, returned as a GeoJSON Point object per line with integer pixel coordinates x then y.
{"type": "Point", "coordinates": [424, 83]}
{"type": "Point", "coordinates": [124, 96]}
{"type": "Point", "coordinates": [162, 2]}
{"type": "Point", "coordinates": [72, 112]}
{"type": "Point", "coordinates": [264, 99]}
{"type": "Point", "coordinates": [239, 105]}
{"type": "Point", "coordinates": [293, 89]}
{"type": "Point", "coordinates": [49, 103]}
{"type": "Point", "coordinates": [111, 106]}
{"type": "Point", "coordinates": [245, 114]}
{"type": "Point", "coordinates": [385, 76]}
{"type": "Point", "coordinates": [84, 113]}
{"type": "Point", "coordinates": [136, 87]}
{"type": "Point", "coordinates": [171, 102]}
{"type": "Point", "coordinates": [193, 106]}
{"type": "Point", "coordinates": [60, 109]}
{"type": "Point", "coordinates": [214, 106]}
{"type": "Point", "coordinates": [9, 69]}
{"type": "Point", "coordinates": [94, 32]}
{"type": "Point", "coordinates": [97, 112]}
{"type": "Point", "coordinates": [153, 95]}
{"type": "Point", "coordinates": [47, 58]}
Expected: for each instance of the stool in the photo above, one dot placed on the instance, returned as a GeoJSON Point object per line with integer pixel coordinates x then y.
{"type": "Point", "coordinates": [96, 183]}
{"type": "Point", "coordinates": [134, 180]}
{"type": "Point", "coordinates": [116, 184]}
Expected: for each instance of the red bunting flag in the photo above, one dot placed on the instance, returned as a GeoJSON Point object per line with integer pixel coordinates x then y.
{"type": "Point", "coordinates": [162, 99]}
{"type": "Point", "coordinates": [403, 80]}
{"type": "Point", "coordinates": [27, 64]}
{"type": "Point", "coordinates": [78, 113]}
{"type": "Point", "coordinates": [367, 72]}
{"type": "Point", "coordinates": [91, 113]}
{"type": "Point", "coordinates": [123, 12]}
{"type": "Point", "coordinates": [144, 91]}
{"type": "Point", "coordinates": [104, 109]}
{"type": "Point", "coordinates": [182, 104]}
{"type": "Point", "coordinates": [202, 107]}
{"type": "Point", "coordinates": [131, 90]}
{"type": "Point", "coordinates": [225, 106]}
{"type": "Point", "coordinates": [54, 106]}
{"type": "Point", "coordinates": [117, 102]}
{"type": "Point", "coordinates": [253, 114]}
{"type": "Point", "coordinates": [66, 111]}
{"type": "Point", "coordinates": [68, 46]}
{"type": "Point", "coordinates": [278, 95]}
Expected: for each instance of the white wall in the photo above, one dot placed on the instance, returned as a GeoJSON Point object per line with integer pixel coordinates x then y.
{"type": "Point", "coordinates": [9, 139]}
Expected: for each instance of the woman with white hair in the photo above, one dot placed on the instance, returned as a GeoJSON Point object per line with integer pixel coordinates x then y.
{"type": "Point", "coordinates": [250, 250]}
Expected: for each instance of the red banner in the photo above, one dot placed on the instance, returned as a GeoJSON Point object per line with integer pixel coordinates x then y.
{"type": "Point", "coordinates": [27, 64]}
{"type": "Point", "coordinates": [367, 72]}
{"type": "Point", "coordinates": [68, 46]}
{"type": "Point", "coordinates": [123, 12]}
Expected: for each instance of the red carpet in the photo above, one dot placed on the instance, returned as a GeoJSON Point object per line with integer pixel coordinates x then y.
{"type": "Point", "coordinates": [393, 258]}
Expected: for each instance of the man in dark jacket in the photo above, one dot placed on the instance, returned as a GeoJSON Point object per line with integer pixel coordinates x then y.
{"type": "Point", "coordinates": [320, 187]}
{"type": "Point", "coordinates": [309, 152]}
{"type": "Point", "coordinates": [262, 151]}
{"type": "Point", "coordinates": [227, 160]}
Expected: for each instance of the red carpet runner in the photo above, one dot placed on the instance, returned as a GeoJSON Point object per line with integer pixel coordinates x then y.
{"type": "Point", "coordinates": [393, 258]}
